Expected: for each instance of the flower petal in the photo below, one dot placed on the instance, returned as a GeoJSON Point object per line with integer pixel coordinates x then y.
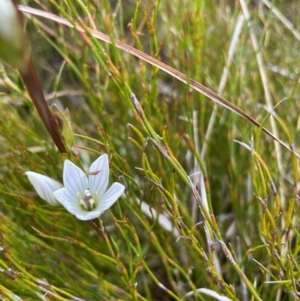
{"type": "Point", "coordinates": [87, 215]}
{"type": "Point", "coordinates": [44, 186]}
{"type": "Point", "coordinates": [66, 198]}
{"type": "Point", "coordinates": [75, 179]}
{"type": "Point", "coordinates": [99, 182]}
{"type": "Point", "coordinates": [110, 196]}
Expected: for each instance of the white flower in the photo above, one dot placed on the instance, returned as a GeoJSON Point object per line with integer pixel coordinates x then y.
{"type": "Point", "coordinates": [14, 48]}
{"type": "Point", "coordinates": [44, 186]}
{"type": "Point", "coordinates": [87, 197]}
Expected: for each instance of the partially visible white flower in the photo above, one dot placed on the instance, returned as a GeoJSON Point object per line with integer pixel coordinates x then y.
{"type": "Point", "coordinates": [87, 197]}
{"type": "Point", "coordinates": [14, 48]}
{"type": "Point", "coordinates": [44, 186]}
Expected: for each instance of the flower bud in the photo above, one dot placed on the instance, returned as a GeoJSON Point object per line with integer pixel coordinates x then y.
{"type": "Point", "coordinates": [14, 49]}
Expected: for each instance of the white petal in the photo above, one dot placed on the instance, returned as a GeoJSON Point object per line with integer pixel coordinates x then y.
{"type": "Point", "coordinates": [208, 292]}
{"type": "Point", "coordinates": [66, 198]}
{"type": "Point", "coordinates": [110, 196]}
{"type": "Point", "coordinates": [99, 182]}
{"type": "Point", "coordinates": [75, 179]}
{"type": "Point", "coordinates": [87, 215]}
{"type": "Point", "coordinates": [44, 186]}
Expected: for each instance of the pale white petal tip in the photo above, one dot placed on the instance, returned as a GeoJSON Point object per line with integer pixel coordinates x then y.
{"type": "Point", "coordinates": [44, 186]}
{"type": "Point", "coordinates": [103, 159]}
{"type": "Point", "coordinates": [208, 292]}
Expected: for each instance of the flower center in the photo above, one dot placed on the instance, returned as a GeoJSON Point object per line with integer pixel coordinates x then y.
{"type": "Point", "coordinates": [87, 203]}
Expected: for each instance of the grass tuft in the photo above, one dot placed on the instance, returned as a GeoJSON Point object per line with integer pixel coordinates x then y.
{"type": "Point", "coordinates": [211, 206]}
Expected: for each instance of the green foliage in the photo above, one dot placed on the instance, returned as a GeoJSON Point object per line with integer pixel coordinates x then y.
{"type": "Point", "coordinates": [235, 227]}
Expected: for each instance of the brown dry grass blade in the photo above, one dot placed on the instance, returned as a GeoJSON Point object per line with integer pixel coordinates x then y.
{"type": "Point", "coordinates": [154, 62]}
{"type": "Point", "coordinates": [37, 96]}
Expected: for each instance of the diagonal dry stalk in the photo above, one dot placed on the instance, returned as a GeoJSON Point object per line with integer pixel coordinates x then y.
{"type": "Point", "coordinates": [34, 89]}
{"type": "Point", "coordinates": [164, 67]}
{"type": "Point", "coordinates": [16, 53]}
